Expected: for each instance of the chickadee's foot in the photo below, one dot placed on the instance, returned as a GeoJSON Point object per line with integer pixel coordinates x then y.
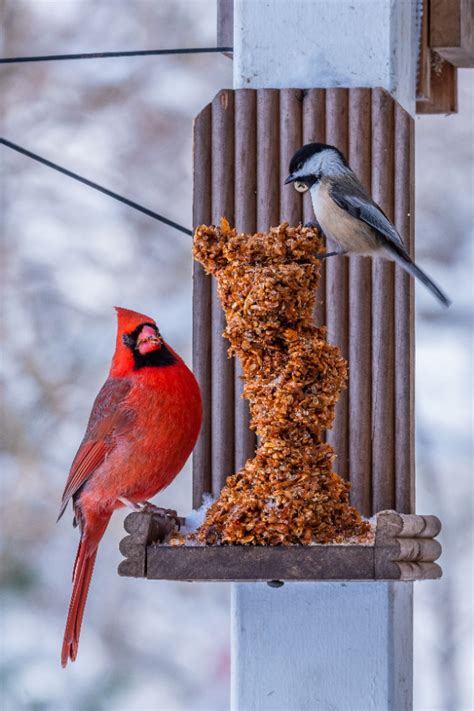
{"type": "Point", "coordinates": [331, 254]}
{"type": "Point", "coordinates": [312, 223]}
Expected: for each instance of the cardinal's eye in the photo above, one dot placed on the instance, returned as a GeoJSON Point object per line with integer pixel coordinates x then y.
{"type": "Point", "coordinates": [128, 340]}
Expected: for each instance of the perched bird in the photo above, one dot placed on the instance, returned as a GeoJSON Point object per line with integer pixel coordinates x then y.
{"type": "Point", "coordinates": [345, 211]}
{"type": "Point", "coordinates": [142, 428]}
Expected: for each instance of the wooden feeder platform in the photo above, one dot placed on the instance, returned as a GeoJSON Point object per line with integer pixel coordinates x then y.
{"type": "Point", "coordinates": [404, 549]}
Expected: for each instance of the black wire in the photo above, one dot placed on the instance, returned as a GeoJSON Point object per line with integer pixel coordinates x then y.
{"type": "Point", "coordinates": [100, 188]}
{"type": "Point", "coordinates": [106, 55]}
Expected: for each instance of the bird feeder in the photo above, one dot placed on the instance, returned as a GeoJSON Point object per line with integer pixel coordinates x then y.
{"type": "Point", "coordinates": [243, 141]}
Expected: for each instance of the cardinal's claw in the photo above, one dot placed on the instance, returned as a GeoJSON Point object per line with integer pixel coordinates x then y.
{"type": "Point", "coordinates": [148, 507]}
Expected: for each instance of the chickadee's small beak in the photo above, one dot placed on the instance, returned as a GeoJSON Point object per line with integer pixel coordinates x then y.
{"type": "Point", "coordinates": [299, 185]}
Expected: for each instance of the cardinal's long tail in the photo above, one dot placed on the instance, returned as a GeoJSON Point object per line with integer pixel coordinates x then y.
{"type": "Point", "coordinates": [81, 578]}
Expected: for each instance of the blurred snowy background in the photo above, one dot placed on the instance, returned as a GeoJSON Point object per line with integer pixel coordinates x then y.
{"type": "Point", "coordinates": [70, 254]}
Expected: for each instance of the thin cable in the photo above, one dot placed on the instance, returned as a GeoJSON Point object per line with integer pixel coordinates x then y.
{"type": "Point", "coordinates": [96, 186]}
{"type": "Point", "coordinates": [107, 55]}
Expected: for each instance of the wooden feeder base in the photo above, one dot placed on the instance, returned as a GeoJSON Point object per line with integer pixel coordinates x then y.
{"type": "Point", "coordinates": [405, 549]}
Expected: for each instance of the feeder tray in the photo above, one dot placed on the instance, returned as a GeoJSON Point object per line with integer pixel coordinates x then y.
{"type": "Point", "coordinates": [405, 549]}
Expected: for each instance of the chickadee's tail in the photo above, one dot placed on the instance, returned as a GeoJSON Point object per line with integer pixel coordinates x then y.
{"type": "Point", "coordinates": [402, 258]}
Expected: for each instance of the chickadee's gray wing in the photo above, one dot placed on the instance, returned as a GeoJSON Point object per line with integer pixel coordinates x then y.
{"type": "Point", "coordinates": [349, 195]}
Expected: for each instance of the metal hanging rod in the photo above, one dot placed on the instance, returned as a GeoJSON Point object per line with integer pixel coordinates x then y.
{"type": "Point", "coordinates": [107, 55]}
{"type": "Point", "coordinates": [96, 186]}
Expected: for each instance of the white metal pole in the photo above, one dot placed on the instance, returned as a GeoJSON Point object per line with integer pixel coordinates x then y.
{"type": "Point", "coordinates": [332, 646]}
{"type": "Point", "coordinates": [328, 646]}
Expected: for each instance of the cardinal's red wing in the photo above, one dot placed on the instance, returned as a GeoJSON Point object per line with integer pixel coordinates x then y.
{"type": "Point", "coordinates": [108, 418]}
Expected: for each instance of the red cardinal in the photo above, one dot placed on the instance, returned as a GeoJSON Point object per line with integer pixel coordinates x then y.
{"type": "Point", "coordinates": [142, 428]}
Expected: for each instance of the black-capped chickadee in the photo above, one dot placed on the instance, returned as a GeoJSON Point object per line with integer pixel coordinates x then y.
{"type": "Point", "coordinates": [345, 211]}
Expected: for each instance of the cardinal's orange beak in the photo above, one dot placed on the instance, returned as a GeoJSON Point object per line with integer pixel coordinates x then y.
{"type": "Point", "coordinates": [148, 340]}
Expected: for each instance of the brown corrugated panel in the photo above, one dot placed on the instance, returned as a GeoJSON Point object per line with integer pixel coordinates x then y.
{"type": "Point", "coordinates": [268, 158]}
{"type": "Point", "coordinates": [240, 165]}
{"type": "Point", "coordinates": [222, 412]}
{"type": "Point", "coordinates": [202, 318]}
{"type": "Point", "coordinates": [245, 221]}
{"type": "Point", "coordinates": [383, 345]}
{"type": "Point", "coordinates": [314, 131]}
{"type": "Point", "coordinates": [404, 317]}
{"type": "Point", "coordinates": [360, 319]}
{"type": "Point", "coordinates": [337, 281]}
{"type": "Point", "coordinates": [291, 138]}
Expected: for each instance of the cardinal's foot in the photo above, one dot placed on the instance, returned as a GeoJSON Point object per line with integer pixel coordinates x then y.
{"type": "Point", "coordinates": [148, 507]}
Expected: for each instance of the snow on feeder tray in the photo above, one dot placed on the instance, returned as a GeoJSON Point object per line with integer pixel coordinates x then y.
{"type": "Point", "coordinates": [286, 514]}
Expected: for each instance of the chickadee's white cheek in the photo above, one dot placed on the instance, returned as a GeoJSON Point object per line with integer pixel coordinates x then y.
{"type": "Point", "coordinates": [300, 187]}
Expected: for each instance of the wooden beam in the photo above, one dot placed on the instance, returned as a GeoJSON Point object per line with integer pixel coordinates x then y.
{"type": "Point", "coordinates": [452, 31]}
{"type": "Point", "coordinates": [423, 83]}
{"type": "Point", "coordinates": [444, 89]}
{"type": "Point", "coordinates": [260, 563]}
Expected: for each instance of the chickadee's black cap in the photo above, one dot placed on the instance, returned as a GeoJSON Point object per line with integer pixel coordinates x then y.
{"type": "Point", "coordinates": [308, 150]}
